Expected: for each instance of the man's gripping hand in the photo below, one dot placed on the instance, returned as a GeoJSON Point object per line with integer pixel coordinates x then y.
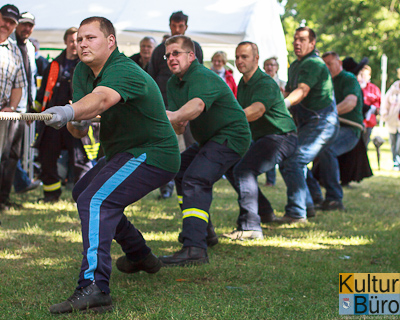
{"type": "Point", "coordinates": [61, 116]}
{"type": "Point", "coordinates": [82, 125]}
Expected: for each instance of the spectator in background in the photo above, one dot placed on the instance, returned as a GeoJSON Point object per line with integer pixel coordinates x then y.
{"type": "Point", "coordinates": [23, 31]}
{"type": "Point", "coordinates": [12, 81]}
{"type": "Point", "coordinates": [147, 45]}
{"type": "Point", "coordinates": [271, 67]}
{"type": "Point", "coordinates": [390, 114]}
{"type": "Point", "coordinates": [372, 101]}
{"type": "Point", "coordinates": [41, 62]}
{"type": "Point", "coordinates": [219, 60]}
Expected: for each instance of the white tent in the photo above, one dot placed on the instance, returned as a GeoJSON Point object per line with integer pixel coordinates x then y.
{"type": "Point", "coordinates": [215, 24]}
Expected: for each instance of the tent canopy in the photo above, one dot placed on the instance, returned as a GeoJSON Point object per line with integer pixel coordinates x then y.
{"type": "Point", "coordinates": [215, 24]}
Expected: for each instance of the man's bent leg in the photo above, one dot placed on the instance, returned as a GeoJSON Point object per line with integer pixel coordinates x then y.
{"type": "Point", "coordinates": [314, 134]}
{"type": "Point", "coordinates": [122, 181]}
{"type": "Point", "coordinates": [329, 165]}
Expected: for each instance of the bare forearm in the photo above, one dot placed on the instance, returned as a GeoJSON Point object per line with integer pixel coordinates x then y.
{"type": "Point", "coordinates": [16, 95]}
{"type": "Point", "coordinates": [347, 105]}
{"type": "Point", "coordinates": [95, 103]}
{"type": "Point", "coordinates": [296, 96]}
{"type": "Point", "coordinates": [254, 111]}
{"type": "Point", "coordinates": [190, 111]}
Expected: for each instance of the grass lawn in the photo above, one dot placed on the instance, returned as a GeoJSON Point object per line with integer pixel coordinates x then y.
{"type": "Point", "coordinates": [291, 274]}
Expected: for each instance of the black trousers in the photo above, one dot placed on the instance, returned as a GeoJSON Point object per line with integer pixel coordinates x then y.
{"type": "Point", "coordinates": [200, 168]}
{"type": "Point", "coordinates": [10, 156]}
{"type": "Point", "coordinates": [51, 144]}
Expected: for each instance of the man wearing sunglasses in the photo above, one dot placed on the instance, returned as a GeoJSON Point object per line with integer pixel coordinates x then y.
{"type": "Point", "coordinates": [218, 123]}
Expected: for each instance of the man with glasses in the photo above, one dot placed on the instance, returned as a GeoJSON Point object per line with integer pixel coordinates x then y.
{"type": "Point", "coordinates": [199, 96]}
{"type": "Point", "coordinates": [160, 72]}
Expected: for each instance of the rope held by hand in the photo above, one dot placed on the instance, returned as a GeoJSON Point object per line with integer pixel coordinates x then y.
{"type": "Point", "coordinates": [30, 116]}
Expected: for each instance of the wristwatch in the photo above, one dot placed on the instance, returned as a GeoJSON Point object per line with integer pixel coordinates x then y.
{"type": "Point", "coordinates": [12, 108]}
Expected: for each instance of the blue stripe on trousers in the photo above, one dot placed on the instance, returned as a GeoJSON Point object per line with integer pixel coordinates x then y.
{"type": "Point", "coordinates": [94, 210]}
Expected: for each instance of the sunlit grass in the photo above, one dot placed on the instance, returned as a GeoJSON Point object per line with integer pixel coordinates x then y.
{"type": "Point", "coordinates": [291, 274]}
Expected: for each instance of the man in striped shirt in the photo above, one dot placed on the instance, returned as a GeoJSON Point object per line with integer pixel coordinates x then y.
{"type": "Point", "coordinates": [12, 80]}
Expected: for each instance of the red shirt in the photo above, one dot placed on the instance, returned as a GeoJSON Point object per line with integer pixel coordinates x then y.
{"type": "Point", "coordinates": [230, 81]}
{"type": "Point", "coordinates": [372, 96]}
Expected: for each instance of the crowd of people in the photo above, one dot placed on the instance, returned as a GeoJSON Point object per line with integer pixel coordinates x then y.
{"type": "Point", "coordinates": [147, 103]}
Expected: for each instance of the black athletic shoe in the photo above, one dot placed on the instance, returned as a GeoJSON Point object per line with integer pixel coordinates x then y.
{"type": "Point", "coordinates": [150, 264]}
{"type": "Point", "coordinates": [90, 298]}
{"type": "Point", "coordinates": [186, 256]}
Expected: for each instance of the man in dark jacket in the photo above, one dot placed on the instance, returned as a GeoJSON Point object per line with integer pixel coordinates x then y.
{"type": "Point", "coordinates": [56, 90]}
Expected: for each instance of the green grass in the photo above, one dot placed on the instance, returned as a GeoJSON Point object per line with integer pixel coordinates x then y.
{"type": "Point", "coordinates": [291, 274]}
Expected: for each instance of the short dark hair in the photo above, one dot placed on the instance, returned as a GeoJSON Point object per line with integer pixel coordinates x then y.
{"type": "Point", "coordinates": [69, 31]}
{"type": "Point", "coordinates": [311, 34]}
{"type": "Point", "coordinates": [106, 25]}
{"type": "Point", "coordinates": [147, 38]}
{"type": "Point", "coordinates": [187, 43]}
{"type": "Point", "coordinates": [254, 47]}
{"type": "Point", "coordinates": [331, 53]}
{"type": "Point", "coordinates": [178, 17]}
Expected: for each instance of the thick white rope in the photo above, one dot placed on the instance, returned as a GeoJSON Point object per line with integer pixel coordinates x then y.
{"type": "Point", "coordinates": [30, 116]}
{"type": "Point", "coordinates": [47, 116]}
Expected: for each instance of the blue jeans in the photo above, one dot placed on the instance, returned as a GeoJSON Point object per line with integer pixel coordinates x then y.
{"type": "Point", "coordinates": [316, 130]}
{"type": "Point", "coordinates": [394, 139]}
{"type": "Point", "coordinates": [262, 156]}
{"type": "Point", "coordinates": [329, 165]}
{"type": "Point", "coordinates": [21, 179]}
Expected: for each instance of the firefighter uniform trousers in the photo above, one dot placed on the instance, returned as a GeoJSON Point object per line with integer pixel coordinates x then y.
{"type": "Point", "coordinates": [200, 168]}
{"type": "Point", "coordinates": [51, 144]}
{"type": "Point", "coordinates": [101, 196]}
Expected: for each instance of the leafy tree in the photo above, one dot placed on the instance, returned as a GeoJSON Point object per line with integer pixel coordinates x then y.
{"type": "Point", "coordinates": [357, 28]}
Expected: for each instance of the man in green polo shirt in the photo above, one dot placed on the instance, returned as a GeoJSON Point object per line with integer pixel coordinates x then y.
{"type": "Point", "coordinates": [218, 124]}
{"type": "Point", "coordinates": [349, 101]}
{"type": "Point", "coordinates": [274, 138]}
{"type": "Point", "coordinates": [309, 95]}
{"type": "Point", "coordinates": [141, 154]}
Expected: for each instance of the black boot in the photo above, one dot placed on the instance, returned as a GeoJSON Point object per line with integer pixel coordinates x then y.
{"type": "Point", "coordinates": [212, 238]}
{"type": "Point", "coordinates": [186, 256]}
{"type": "Point", "coordinates": [150, 264]}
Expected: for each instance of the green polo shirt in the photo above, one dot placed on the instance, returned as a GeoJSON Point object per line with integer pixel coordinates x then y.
{"type": "Point", "coordinates": [138, 123]}
{"type": "Point", "coordinates": [312, 71]}
{"type": "Point", "coordinates": [276, 118]}
{"type": "Point", "coordinates": [346, 83]}
{"type": "Point", "coordinates": [222, 120]}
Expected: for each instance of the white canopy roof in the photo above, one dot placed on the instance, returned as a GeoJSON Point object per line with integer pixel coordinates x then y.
{"type": "Point", "coordinates": [215, 24]}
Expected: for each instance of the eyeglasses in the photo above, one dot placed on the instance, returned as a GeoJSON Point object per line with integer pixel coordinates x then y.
{"type": "Point", "coordinates": [270, 64]}
{"type": "Point", "coordinates": [174, 54]}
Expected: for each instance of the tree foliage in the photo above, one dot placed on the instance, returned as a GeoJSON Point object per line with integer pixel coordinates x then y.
{"type": "Point", "coordinates": [356, 28]}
